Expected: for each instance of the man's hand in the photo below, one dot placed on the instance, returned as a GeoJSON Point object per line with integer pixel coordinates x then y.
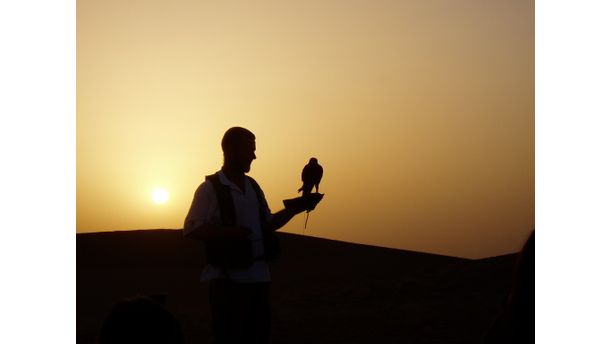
{"type": "Point", "coordinates": [307, 202]}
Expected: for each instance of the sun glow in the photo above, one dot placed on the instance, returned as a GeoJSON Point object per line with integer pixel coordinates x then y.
{"type": "Point", "coordinates": [159, 195]}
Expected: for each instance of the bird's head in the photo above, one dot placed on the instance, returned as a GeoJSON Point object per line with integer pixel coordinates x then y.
{"type": "Point", "coordinates": [313, 161]}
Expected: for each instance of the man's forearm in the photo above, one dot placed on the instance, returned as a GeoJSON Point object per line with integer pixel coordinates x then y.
{"type": "Point", "coordinates": [282, 217]}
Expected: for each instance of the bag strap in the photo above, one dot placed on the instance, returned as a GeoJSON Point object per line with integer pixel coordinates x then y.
{"type": "Point", "coordinates": [226, 207]}
{"type": "Point", "coordinates": [263, 205]}
{"type": "Point", "coordinates": [270, 240]}
{"type": "Point", "coordinates": [224, 198]}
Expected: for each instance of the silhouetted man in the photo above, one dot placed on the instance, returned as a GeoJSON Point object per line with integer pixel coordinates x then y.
{"type": "Point", "coordinates": [230, 214]}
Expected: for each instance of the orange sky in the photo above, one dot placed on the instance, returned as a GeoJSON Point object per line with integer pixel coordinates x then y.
{"type": "Point", "coordinates": [421, 113]}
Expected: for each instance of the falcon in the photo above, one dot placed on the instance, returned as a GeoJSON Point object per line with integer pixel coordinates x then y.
{"type": "Point", "coordinates": [311, 176]}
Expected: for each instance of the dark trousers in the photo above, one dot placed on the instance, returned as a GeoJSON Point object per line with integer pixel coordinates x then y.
{"type": "Point", "coordinates": [240, 312]}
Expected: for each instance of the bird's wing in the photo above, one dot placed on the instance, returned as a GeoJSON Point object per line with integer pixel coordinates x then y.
{"type": "Point", "coordinates": [318, 173]}
{"type": "Point", "coordinates": [309, 174]}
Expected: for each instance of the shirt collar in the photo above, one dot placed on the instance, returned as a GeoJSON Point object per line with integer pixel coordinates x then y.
{"type": "Point", "coordinates": [225, 181]}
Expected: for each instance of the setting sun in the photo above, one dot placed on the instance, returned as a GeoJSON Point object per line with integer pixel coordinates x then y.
{"type": "Point", "coordinates": [159, 196]}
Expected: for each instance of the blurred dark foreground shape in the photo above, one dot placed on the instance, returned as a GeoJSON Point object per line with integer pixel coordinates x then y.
{"type": "Point", "coordinates": [141, 320]}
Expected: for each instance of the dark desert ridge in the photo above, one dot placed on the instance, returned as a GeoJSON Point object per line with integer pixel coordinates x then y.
{"type": "Point", "coordinates": [323, 291]}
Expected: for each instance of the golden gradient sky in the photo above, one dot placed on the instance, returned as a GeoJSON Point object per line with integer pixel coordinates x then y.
{"type": "Point", "coordinates": [421, 113]}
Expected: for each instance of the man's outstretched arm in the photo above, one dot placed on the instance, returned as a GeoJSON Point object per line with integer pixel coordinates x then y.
{"type": "Point", "coordinates": [294, 207]}
{"type": "Point", "coordinates": [282, 217]}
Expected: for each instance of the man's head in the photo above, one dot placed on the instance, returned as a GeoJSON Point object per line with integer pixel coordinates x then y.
{"type": "Point", "coordinates": [238, 146]}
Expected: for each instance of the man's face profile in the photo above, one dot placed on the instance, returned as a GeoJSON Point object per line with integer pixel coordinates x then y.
{"type": "Point", "coordinates": [243, 154]}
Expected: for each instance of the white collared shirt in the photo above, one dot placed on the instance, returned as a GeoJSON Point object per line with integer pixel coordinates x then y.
{"type": "Point", "coordinates": [205, 209]}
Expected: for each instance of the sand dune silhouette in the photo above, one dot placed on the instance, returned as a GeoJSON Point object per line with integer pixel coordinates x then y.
{"type": "Point", "coordinates": [324, 291]}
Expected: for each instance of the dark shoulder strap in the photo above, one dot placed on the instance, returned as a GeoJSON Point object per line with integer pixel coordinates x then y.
{"type": "Point", "coordinates": [260, 197]}
{"type": "Point", "coordinates": [263, 205]}
{"type": "Point", "coordinates": [224, 198]}
{"type": "Point", "coordinates": [270, 240]}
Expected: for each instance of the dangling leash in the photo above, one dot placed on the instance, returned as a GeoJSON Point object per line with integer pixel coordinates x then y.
{"type": "Point", "coordinates": [305, 223]}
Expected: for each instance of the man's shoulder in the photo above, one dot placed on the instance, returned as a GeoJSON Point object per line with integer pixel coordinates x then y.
{"type": "Point", "coordinates": [211, 179]}
{"type": "Point", "coordinates": [213, 175]}
{"type": "Point", "coordinates": [205, 187]}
